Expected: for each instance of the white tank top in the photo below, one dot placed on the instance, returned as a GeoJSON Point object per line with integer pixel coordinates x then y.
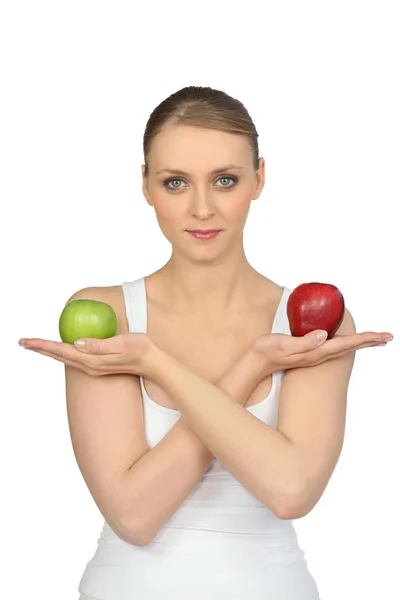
{"type": "Point", "coordinates": [222, 542]}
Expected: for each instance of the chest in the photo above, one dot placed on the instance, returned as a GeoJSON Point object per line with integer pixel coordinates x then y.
{"type": "Point", "coordinates": [208, 349]}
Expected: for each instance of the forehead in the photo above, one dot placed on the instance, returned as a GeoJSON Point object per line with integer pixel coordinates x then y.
{"type": "Point", "coordinates": [183, 144]}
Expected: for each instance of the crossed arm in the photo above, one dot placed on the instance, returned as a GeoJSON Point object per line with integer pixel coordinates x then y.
{"type": "Point", "coordinates": [161, 480]}
{"type": "Point", "coordinates": [138, 489]}
{"type": "Point", "coordinates": [287, 468]}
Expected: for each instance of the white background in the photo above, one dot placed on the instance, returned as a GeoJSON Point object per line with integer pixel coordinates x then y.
{"type": "Point", "coordinates": [79, 81]}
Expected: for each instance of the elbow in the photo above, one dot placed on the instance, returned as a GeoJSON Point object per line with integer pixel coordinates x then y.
{"type": "Point", "coordinates": [140, 541]}
{"type": "Point", "coordinates": [137, 528]}
{"type": "Point", "coordinates": [286, 511]}
{"type": "Point", "coordinates": [139, 538]}
{"type": "Point", "coordinates": [293, 505]}
{"type": "Point", "coordinates": [136, 538]}
{"type": "Point", "coordinates": [290, 512]}
{"type": "Point", "coordinates": [132, 533]}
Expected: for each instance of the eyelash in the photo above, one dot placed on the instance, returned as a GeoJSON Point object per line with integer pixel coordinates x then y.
{"type": "Point", "coordinates": [167, 181]}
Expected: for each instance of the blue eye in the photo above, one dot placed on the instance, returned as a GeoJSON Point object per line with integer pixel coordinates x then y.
{"type": "Point", "coordinates": [167, 181]}
{"type": "Point", "coordinates": [228, 177]}
{"type": "Point", "coordinates": [174, 179]}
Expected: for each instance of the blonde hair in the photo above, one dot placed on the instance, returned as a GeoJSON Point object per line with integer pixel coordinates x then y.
{"type": "Point", "coordinates": [202, 107]}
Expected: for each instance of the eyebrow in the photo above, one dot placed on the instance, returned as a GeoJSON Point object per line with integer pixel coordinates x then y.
{"type": "Point", "coordinates": [214, 172]}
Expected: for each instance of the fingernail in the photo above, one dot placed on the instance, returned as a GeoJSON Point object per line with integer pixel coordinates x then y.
{"type": "Point", "coordinates": [321, 335]}
{"type": "Point", "coordinates": [80, 343]}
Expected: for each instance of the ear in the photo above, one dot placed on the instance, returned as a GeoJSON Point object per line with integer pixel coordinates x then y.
{"type": "Point", "coordinates": [144, 187]}
{"type": "Point", "coordinates": [260, 179]}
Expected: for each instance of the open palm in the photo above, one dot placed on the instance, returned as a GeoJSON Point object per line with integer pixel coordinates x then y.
{"type": "Point", "coordinates": [286, 351]}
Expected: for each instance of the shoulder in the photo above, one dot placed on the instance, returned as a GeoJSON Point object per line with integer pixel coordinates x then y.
{"type": "Point", "coordinates": [112, 295]}
{"type": "Point", "coordinates": [265, 292]}
{"type": "Point", "coordinates": [348, 324]}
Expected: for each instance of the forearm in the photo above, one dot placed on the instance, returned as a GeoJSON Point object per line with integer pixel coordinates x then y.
{"type": "Point", "coordinates": [159, 482]}
{"type": "Point", "coordinates": [257, 455]}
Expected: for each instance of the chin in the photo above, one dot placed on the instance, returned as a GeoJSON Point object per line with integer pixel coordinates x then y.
{"type": "Point", "coordinates": [207, 255]}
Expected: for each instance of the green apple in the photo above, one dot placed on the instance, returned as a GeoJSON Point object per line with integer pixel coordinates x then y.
{"type": "Point", "coordinates": [87, 319]}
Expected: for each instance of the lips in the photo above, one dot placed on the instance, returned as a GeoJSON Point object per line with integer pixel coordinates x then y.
{"type": "Point", "coordinates": [204, 234]}
{"type": "Point", "coordinates": [204, 231]}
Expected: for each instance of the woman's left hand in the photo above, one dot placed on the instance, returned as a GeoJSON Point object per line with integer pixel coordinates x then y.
{"type": "Point", "coordinates": [123, 353]}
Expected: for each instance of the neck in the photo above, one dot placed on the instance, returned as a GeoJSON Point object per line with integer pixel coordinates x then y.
{"type": "Point", "coordinates": [204, 288]}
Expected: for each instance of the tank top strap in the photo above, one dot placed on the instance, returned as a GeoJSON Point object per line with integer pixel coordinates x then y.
{"type": "Point", "coordinates": [136, 305]}
{"type": "Point", "coordinates": [281, 321]}
{"type": "Point", "coordinates": [136, 308]}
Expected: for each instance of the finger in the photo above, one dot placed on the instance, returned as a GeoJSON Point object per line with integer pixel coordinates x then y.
{"type": "Point", "coordinates": [54, 348]}
{"type": "Point", "coordinates": [65, 353]}
{"type": "Point", "coordinates": [313, 351]}
{"type": "Point", "coordinates": [89, 367]}
{"type": "Point", "coordinates": [339, 343]}
{"type": "Point", "coordinates": [59, 358]}
{"type": "Point", "coordinates": [346, 343]}
{"type": "Point", "coordinates": [322, 354]}
{"type": "Point", "coordinates": [89, 345]}
{"type": "Point", "coordinates": [112, 345]}
{"type": "Point", "coordinates": [354, 349]}
{"type": "Point", "coordinates": [304, 343]}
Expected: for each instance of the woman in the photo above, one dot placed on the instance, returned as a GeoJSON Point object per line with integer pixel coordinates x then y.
{"type": "Point", "coordinates": [208, 435]}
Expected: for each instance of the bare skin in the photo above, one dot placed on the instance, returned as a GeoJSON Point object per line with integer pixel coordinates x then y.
{"type": "Point", "coordinates": [206, 307]}
{"type": "Point", "coordinates": [207, 304]}
{"type": "Point", "coordinates": [208, 349]}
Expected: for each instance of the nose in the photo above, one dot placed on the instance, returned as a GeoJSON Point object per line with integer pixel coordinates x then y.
{"type": "Point", "coordinates": [202, 206]}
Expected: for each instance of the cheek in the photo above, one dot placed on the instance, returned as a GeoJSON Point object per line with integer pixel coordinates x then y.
{"type": "Point", "coordinates": [170, 217]}
{"type": "Point", "coordinates": [239, 209]}
{"type": "Point", "coordinates": [170, 213]}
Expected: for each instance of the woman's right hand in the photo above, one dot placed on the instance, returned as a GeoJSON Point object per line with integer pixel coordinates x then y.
{"type": "Point", "coordinates": [278, 351]}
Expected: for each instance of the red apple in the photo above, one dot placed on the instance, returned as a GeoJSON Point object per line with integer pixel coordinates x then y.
{"type": "Point", "coordinates": [313, 306]}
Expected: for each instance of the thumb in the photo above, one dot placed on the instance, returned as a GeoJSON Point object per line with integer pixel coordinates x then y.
{"type": "Point", "coordinates": [88, 345]}
{"type": "Point", "coordinates": [317, 337]}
